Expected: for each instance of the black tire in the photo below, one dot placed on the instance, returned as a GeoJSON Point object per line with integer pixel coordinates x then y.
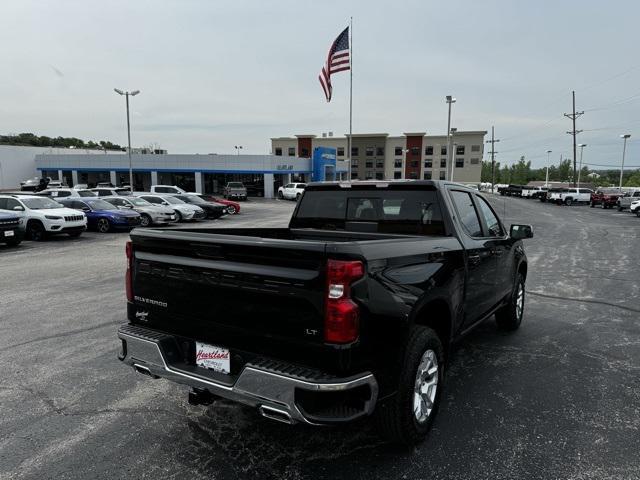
{"type": "Point", "coordinates": [103, 225]}
{"type": "Point", "coordinates": [638, 212]}
{"type": "Point", "coordinates": [280, 195]}
{"type": "Point", "coordinates": [510, 316]}
{"type": "Point", "coordinates": [231, 210]}
{"type": "Point", "coordinates": [36, 231]}
{"type": "Point", "coordinates": [145, 220]}
{"type": "Point", "coordinates": [568, 202]}
{"type": "Point", "coordinates": [395, 416]}
{"type": "Point", "coordinates": [620, 208]}
{"type": "Point", "coordinates": [178, 217]}
{"type": "Point", "coordinates": [592, 205]}
{"type": "Point", "coordinates": [298, 196]}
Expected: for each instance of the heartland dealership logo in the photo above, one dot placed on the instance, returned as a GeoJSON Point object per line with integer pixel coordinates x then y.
{"type": "Point", "coordinates": [150, 301]}
{"type": "Point", "coordinates": [214, 355]}
{"type": "Point", "coordinates": [142, 316]}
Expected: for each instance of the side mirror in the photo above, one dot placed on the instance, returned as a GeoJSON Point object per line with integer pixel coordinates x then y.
{"type": "Point", "coordinates": [19, 208]}
{"type": "Point", "coordinates": [520, 232]}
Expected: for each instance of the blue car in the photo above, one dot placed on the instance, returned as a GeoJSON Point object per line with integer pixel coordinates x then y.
{"type": "Point", "coordinates": [103, 216]}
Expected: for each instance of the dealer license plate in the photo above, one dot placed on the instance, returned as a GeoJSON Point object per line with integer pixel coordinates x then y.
{"type": "Point", "coordinates": [8, 233]}
{"type": "Point", "coordinates": [212, 357]}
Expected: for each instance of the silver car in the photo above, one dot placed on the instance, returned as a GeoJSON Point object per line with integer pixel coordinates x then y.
{"type": "Point", "coordinates": [184, 211]}
{"type": "Point", "coordinates": [150, 214]}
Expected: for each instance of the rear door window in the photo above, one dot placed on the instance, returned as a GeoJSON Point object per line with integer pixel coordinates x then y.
{"type": "Point", "coordinates": [467, 214]}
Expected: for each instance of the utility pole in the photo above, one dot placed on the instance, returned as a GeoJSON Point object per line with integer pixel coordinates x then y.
{"type": "Point", "coordinates": [574, 132]}
{"type": "Point", "coordinates": [493, 141]}
{"type": "Point", "coordinates": [449, 99]}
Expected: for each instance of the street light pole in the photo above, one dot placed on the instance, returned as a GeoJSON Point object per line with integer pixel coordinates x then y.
{"type": "Point", "coordinates": [453, 155]}
{"type": "Point", "coordinates": [238, 148]}
{"type": "Point", "coordinates": [581, 145]}
{"type": "Point", "coordinates": [546, 182]}
{"type": "Point", "coordinates": [624, 149]}
{"type": "Point", "coordinates": [449, 100]}
{"type": "Point", "coordinates": [126, 95]}
{"type": "Point", "coordinates": [454, 145]}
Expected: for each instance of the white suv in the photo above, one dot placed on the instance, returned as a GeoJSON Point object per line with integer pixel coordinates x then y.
{"type": "Point", "coordinates": [66, 192]}
{"type": "Point", "coordinates": [42, 216]}
{"type": "Point", "coordinates": [291, 191]}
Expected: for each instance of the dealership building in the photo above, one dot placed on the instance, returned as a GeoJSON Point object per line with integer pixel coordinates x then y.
{"type": "Point", "coordinates": [413, 155]}
{"type": "Point", "coordinates": [261, 174]}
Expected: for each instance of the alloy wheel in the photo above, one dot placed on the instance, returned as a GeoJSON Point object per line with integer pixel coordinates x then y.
{"type": "Point", "coordinates": [425, 386]}
{"type": "Point", "coordinates": [103, 225]}
{"type": "Point", "coordinates": [520, 301]}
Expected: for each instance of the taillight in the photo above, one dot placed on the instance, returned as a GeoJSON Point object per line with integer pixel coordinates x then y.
{"type": "Point", "coordinates": [342, 315]}
{"type": "Point", "coordinates": [129, 274]}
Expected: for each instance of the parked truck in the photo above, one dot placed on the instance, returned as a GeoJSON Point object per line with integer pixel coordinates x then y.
{"type": "Point", "coordinates": [351, 311]}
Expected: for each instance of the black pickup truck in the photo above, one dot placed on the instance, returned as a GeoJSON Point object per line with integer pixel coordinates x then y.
{"type": "Point", "coordinates": [349, 312]}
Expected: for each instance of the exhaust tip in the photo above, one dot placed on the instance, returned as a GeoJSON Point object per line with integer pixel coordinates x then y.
{"type": "Point", "coordinates": [275, 414]}
{"type": "Point", "coordinates": [144, 371]}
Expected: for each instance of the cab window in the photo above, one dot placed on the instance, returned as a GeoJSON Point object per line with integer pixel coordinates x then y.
{"type": "Point", "coordinates": [490, 218]}
{"type": "Point", "coordinates": [466, 212]}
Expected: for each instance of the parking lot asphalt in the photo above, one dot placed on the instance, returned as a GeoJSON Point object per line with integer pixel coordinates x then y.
{"type": "Point", "coordinates": [559, 398]}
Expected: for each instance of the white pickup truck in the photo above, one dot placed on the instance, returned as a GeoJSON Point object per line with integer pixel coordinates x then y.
{"type": "Point", "coordinates": [533, 192]}
{"type": "Point", "coordinates": [569, 196]}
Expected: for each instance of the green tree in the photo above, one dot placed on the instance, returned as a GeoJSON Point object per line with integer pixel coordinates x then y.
{"type": "Point", "coordinates": [633, 180]}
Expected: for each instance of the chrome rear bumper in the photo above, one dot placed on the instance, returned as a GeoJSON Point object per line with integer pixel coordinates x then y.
{"type": "Point", "coordinates": [269, 386]}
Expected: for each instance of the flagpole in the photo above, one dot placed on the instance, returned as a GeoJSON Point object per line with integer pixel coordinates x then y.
{"type": "Point", "coordinates": [350, 92]}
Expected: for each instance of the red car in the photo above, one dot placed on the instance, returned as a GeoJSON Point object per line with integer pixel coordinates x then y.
{"type": "Point", "coordinates": [605, 197]}
{"type": "Point", "coordinates": [233, 207]}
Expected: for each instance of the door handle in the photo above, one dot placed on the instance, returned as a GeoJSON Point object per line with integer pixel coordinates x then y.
{"type": "Point", "coordinates": [497, 251]}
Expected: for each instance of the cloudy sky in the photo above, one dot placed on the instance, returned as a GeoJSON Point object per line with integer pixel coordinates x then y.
{"type": "Point", "coordinates": [216, 74]}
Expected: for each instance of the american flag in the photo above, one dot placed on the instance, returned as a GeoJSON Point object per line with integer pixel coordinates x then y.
{"type": "Point", "coordinates": [337, 61]}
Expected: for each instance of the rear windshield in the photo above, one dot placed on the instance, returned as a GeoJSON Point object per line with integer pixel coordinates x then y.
{"type": "Point", "coordinates": [235, 185]}
{"type": "Point", "coordinates": [411, 212]}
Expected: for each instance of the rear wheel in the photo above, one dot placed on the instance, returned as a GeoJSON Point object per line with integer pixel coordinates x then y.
{"type": "Point", "coordinates": [280, 195]}
{"type": "Point", "coordinates": [620, 208]}
{"type": "Point", "coordinates": [231, 210]}
{"type": "Point", "coordinates": [36, 231]}
{"type": "Point", "coordinates": [568, 202]}
{"type": "Point", "coordinates": [407, 416]}
{"type": "Point", "coordinates": [510, 316]}
{"type": "Point", "coordinates": [145, 220]}
{"type": "Point", "coordinates": [103, 225]}
{"type": "Point", "coordinates": [604, 206]}
{"type": "Point", "coordinates": [592, 205]}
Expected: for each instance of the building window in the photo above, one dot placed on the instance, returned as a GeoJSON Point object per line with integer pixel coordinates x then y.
{"type": "Point", "coordinates": [475, 148]}
{"type": "Point", "coordinates": [413, 176]}
{"type": "Point", "coordinates": [443, 150]}
{"type": "Point", "coordinates": [398, 151]}
{"type": "Point", "coordinates": [459, 162]}
{"type": "Point", "coordinates": [415, 151]}
{"type": "Point", "coordinates": [379, 176]}
{"type": "Point", "coordinates": [305, 153]}
{"type": "Point", "coordinates": [278, 152]}
{"type": "Point", "coordinates": [427, 175]}
{"type": "Point", "coordinates": [341, 151]}
{"type": "Point", "coordinates": [474, 161]}
{"type": "Point", "coordinates": [443, 175]}
{"type": "Point", "coordinates": [368, 165]}
{"type": "Point", "coordinates": [354, 163]}
{"type": "Point", "coordinates": [397, 175]}
{"type": "Point", "coordinates": [428, 164]}
{"type": "Point", "coordinates": [460, 150]}
{"type": "Point", "coordinates": [397, 164]}
{"type": "Point", "coordinates": [379, 163]}
{"type": "Point", "coordinates": [368, 151]}
{"type": "Point", "coordinates": [428, 150]}
{"type": "Point", "coordinates": [380, 151]}
{"type": "Point", "coordinates": [443, 163]}
{"type": "Point", "coordinates": [369, 175]}
{"type": "Point", "coordinates": [292, 152]}
{"type": "Point", "coordinates": [415, 163]}
{"type": "Point", "coordinates": [354, 175]}
{"type": "Point", "coordinates": [354, 151]}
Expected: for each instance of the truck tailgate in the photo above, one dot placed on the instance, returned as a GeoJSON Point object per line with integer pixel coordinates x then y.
{"type": "Point", "coordinates": [250, 292]}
